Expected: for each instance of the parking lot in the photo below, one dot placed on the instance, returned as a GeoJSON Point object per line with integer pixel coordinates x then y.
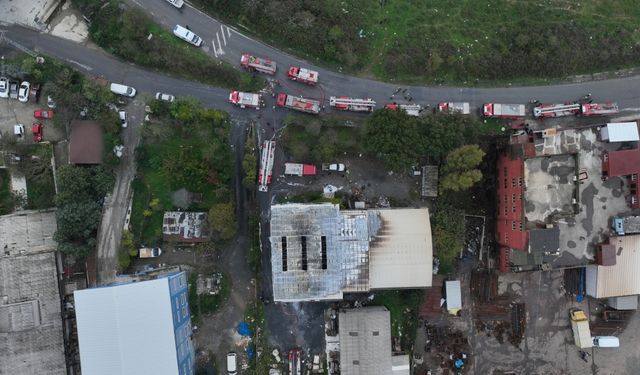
{"type": "Point", "coordinates": [13, 112]}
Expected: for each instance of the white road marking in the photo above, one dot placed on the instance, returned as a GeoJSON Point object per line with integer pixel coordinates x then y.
{"type": "Point", "coordinates": [86, 67]}
{"type": "Point", "coordinates": [223, 38]}
{"type": "Point", "coordinates": [228, 32]}
{"type": "Point", "coordinates": [214, 49]}
{"type": "Point", "coordinates": [220, 44]}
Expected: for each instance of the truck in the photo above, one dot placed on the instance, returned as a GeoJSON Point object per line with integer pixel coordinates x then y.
{"type": "Point", "coordinates": [410, 109]}
{"type": "Point", "coordinates": [451, 107]}
{"type": "Point", "coordinates": [298, 103]}
{"type": "Point", "coordinates": [580, 328]}
{"type": "Point", "coordinates": [297, 169]}
{"type": "Point", "coordinates": [295, 362]}
{"type": "Point", "coordinates": [266, 165]}
{"type": "Point", "coordinates": [246, 99]}
{"type": "Point", "coordinates": [556, 110]}
{"type": "Point", "coordinates": [626, 225]}
{"type": "Point", "coordinates": [257, 64]}
{"type": "Point", "coordinates": [304, 75]}
{"type": "Point", "coordinates": [599, 109]}
{"type": "Point", "coordinates": [149, 252]}
{"type": "Point", "coordinates": [334, 167]}
{"type": "Point", "coordinates": [506, 111]}
{"type": "Point", "coordinates": [346, 103]}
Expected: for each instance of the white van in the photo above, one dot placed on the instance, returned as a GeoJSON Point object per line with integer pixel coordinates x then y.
{"type": "Point", "coordinates": [186, 35]}
{"type": "Point", "coordinates": [605, 341]}
{"type": "Point", "coordinates": [232, 363]}
{"type": "Point", "coordinates": [119, 89]}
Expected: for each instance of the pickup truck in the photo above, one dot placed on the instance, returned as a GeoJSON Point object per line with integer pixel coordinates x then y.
{"type": "Point", "coordinates": [150, 252]}
{"type": "Point", "coordinates": [335, 167]}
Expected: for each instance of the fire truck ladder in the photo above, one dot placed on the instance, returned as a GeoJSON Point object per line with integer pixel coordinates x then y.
{"type": "Point", "coordinates": [559, 108]}
{"type": "Point", "coordinates": [266, 164]}
{"type": "Point", "coordinates": [333, 101]}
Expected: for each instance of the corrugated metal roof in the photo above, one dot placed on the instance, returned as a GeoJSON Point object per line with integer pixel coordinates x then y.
{"type": "Point", "coordinates": [400, 252]}
{"type": "Point", "coordinates": [365, 341]}
{"type": "Point", "coordinates": [126, 329]}
{"type": "Point", "coordinates": [454, 295]}
{"type": "Point", "coordinates": [401, 364]}
{"type": "Point", "coordinates": [620, 132]}
{"type": "Point", "coordinates": [623, 278]}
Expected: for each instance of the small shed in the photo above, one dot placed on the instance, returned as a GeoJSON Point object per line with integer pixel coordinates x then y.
{"type": "Point", "coordinates": [620, 132]}
{"type": "Point", "coordinates": [429, 181]}
{"type": "Point", "coordinates": [453, 296]}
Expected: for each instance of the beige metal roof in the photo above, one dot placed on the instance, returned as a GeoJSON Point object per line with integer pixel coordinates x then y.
{"type": "Point", "coordinates": [401, 253]}
{"type": "Point", "coordinates": [623, 278]}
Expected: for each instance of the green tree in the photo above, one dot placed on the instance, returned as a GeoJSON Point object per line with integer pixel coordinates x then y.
{"type": "Point", "coordinates": [222, 219]}
{"type": "Point", "coordinates": [459, 171]}
{"type": "Point", "coordinates": [448, 235]}
{"type": "Point", "coordinates": [394, 136]}
{"type": "Point", "coordinates": [77, 225]}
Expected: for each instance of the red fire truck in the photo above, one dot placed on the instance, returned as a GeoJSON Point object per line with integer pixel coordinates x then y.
{"type": "Point", "coordinates": [298, 103]}
{"type": "Point", "coordinates": [303, 75]}
{"type": "Point", "coordinates": [257, 64]}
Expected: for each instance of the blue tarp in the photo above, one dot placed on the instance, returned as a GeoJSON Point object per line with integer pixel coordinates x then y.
{"type": "Point", "coordinates": [243, 329]}
{"type": "Point", "coordinates": [250, 352]}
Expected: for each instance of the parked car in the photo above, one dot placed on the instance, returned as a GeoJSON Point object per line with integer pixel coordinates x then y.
{"type": "Point", "coordinates": [23, 93]}
{"type": "Point", "coordinates": [187, 35]}
{"type": "Point", "coordinates": [149, 252]}
{"type": "Point", "coordinates": [18, 130]}
{"type": "Point", "coordinates": [50, 102]}
{"type": "Point", "coordinates": [165, 97]}
{"type": "Point", "coordinates": [43, 114]}
{"type": "Point", "coordinates": [123, 118]}
{"type": "Point", "coordinates": [36, 130]}
{"type": "Point", "coordinates": [335, 167]}
{"type": "Point", "coordinates": [232, 363]}
{"type": "Point", "coordinates": [13, 89]}
{"type": "Point", "coordinates": [4, 87]}
{"type": "Point", "coordinates": [34, 93]}
{"type": "Point", "coordinates": [176, 3]}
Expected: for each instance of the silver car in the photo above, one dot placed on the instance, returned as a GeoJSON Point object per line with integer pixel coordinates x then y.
{"type": "Point", "coordinates": [165, 97]}
{"type": "Point", "coordinates": [4, 87]}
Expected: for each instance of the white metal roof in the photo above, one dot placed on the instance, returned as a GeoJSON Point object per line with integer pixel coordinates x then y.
{"type": "Point", "coordinates": [621, 132]}
{"type": "Point", "coordinates": [454, 295]}
{"type": "Point", "coordinates": [621, 279]}
{"type": "Point", "coordinates": [401, 254]}
{"type": "Point", "coordinates": [126, 329]}
{"type": "Point", "coordinates": [365, 341]}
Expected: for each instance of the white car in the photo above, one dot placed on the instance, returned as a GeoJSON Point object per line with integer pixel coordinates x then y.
{"type": "Point", "coordinates": [4, 87]}
{"type": "Point", "coordinates": [23, 92]}
{"type": "Point", "coordinates": [187, 35]}
{"type": "Point", "coordinates": [123, 118]}
{"type": "Point", "coordinates": [165, 97]}
{"type": "Point", "coordinates": [232, 363]}
{"type": "Point", "coordinates": [176, 3]}
{"type": "Point", "coordinates": [18, 130]}
{"type": "Point", "coordinates": [50, 102]}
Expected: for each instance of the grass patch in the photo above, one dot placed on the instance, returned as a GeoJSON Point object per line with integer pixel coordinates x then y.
{"type": "Point", "coordinates": [186, 146]}
{"type": "Point", "coordinates": [403, 307]}
{"type": "Point", "coordinates": [448, 41]}
{"type": "Point", "coordinates": [125, 32]}
{"type": "Point", "coordinates": [39, 174]}
{"type": "Point", "coordinates": [301, 134]}
{"type": "Point", "coordinates": [206, 303]}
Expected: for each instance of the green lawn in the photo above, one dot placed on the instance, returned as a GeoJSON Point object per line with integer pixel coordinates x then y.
{"type": "Point", "coordinates": [403, 307]}
{"type": "Point", "coordinates": [450, 41]}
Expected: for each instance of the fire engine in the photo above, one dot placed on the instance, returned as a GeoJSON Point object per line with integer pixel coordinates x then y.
{"type": "Point", "coordinates": [303, 75]}
{"type": "Point", "coordinates": [257, 64]}
{"type": "Point", "coordinates": [508, 111]}
{"type": "Point", "coordinates": [266, 165]}
{"type": "Point", "coordinates": [298, 103]}
{"type": "Point", "coordinates": [411, 109]}
{"type": "Point", "coordinates": [451, 107]}
{"type": "Point", "coordinates": [556, 110]}
{"type": "Point", "coordinates": [599, 109]}
{"type": "Point", "coordinates": [350, 104]}
{"type": "Point", "coordinates": [246, 99]}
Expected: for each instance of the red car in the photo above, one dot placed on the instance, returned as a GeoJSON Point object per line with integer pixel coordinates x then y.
{"type": "Point", "coordinates": [42, 114]}
{"type": "Point", "coordinates": [36, 130]}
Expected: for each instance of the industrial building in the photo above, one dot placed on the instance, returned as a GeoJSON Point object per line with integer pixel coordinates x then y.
{"type": "Point", "coordinates": [31, 328]}
{"type": "Point", "coordinates": [365, 343]}
{"type": "Point", "coordinates": [136, 328]}
{"type": "Point", "coordinates": [549, 183]}
{"type": "Point", "coordinates": [319, 252]}
{"type": "Point", "coordinates": [616, 274]}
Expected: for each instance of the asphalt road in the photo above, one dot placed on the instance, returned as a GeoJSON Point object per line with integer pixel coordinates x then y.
{"type": "Point", "coordinates": [230, 44]}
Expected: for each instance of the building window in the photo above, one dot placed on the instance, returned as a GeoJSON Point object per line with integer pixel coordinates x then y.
{"type": "Point", "coordinates": [177, 303]}
{"type": "Point", "coordinates": [513, 197]}
{"type": "Point", "coordinates": [513, 182]}
{"type": "Point", "coordinates": [506, 199]}
{"type": "Point", "coordinates": [506, 238]}
{"type": "Point", "coordinates": [520, 224]}
{"type": "Point", "coordinates": [513, 225]}
{"type": "Point", "coordinates": [183, 298]}
{"type": "Point", "coordinates": [520, 181]}
{"type": "Point", "coordinates": [513, 208]}
{"type": "Point", "coordinates": [505, 171]}
{"type": "Point", "coordinates": [505, 183]}
{"type": "Point", "coordinates": [184, 311]}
